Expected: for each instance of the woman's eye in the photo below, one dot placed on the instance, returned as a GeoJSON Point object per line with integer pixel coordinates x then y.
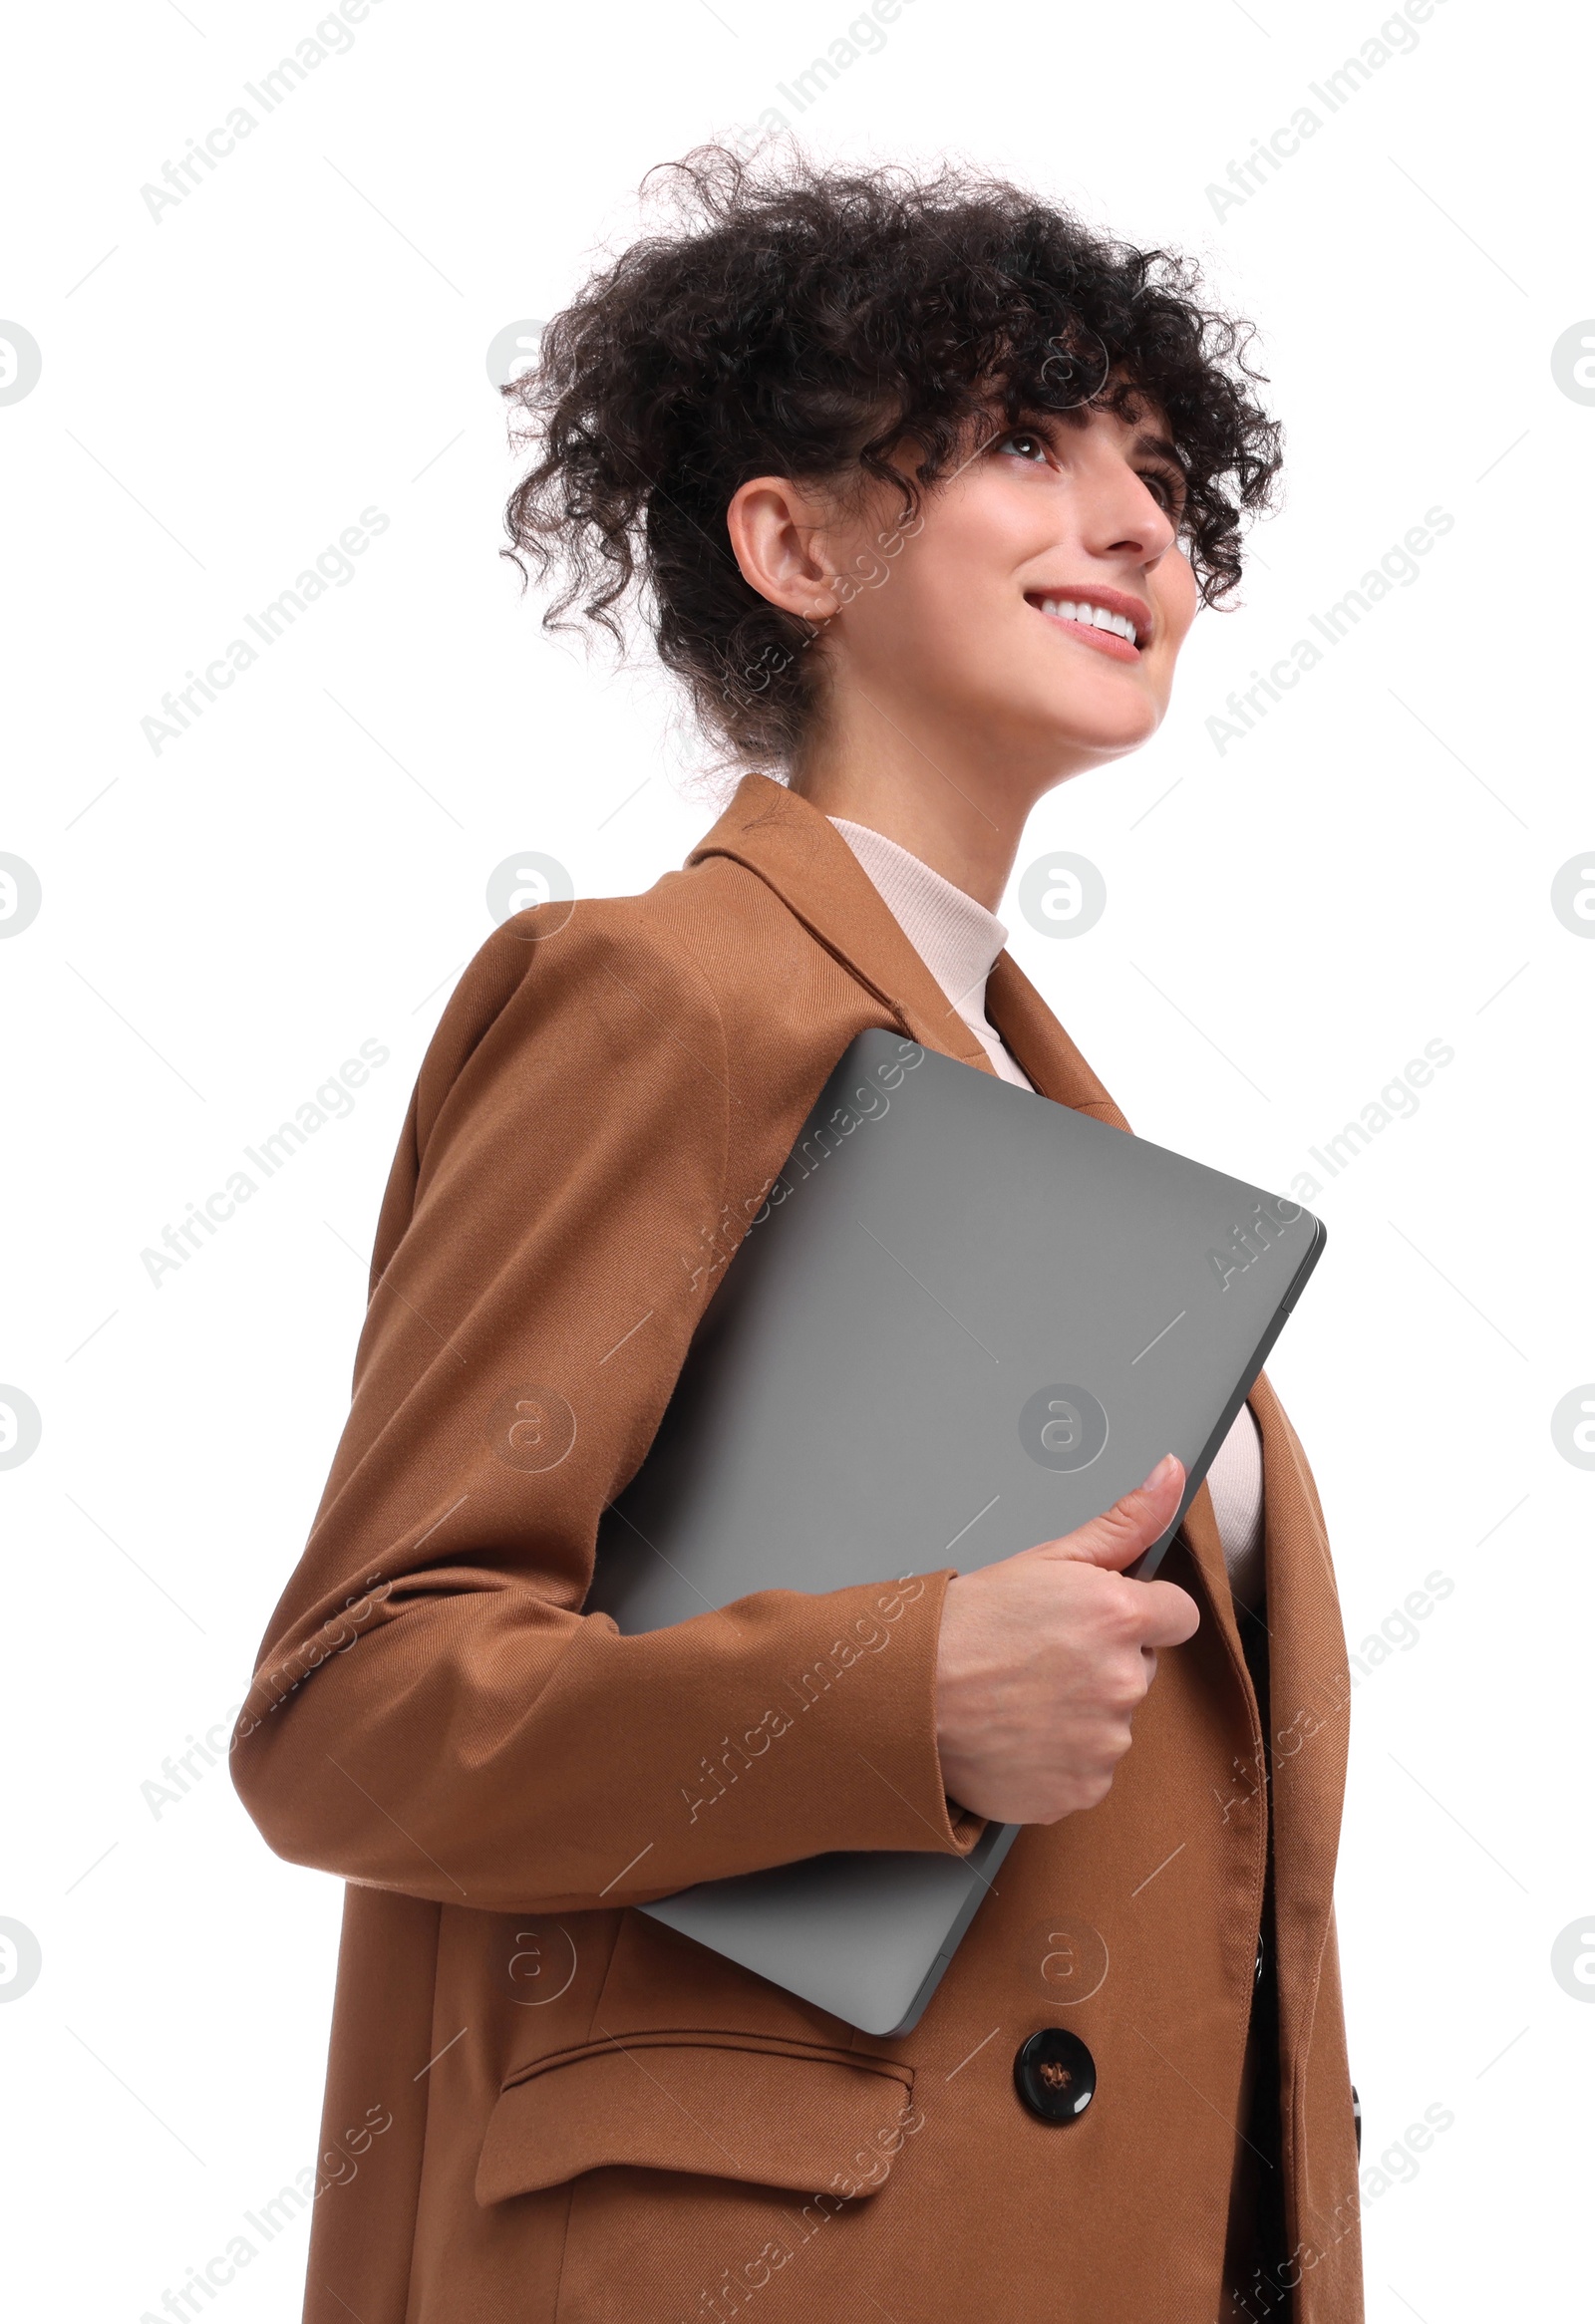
{"type": "Point", "coordinates": [1021, 438]}
{"type": "Point", "coordinates": [1168, 491]}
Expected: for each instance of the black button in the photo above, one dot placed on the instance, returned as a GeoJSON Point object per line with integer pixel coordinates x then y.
{"type": "Point", "coordinates": [1055, 2074]}
{"type": "Point", "coordinates": [1258, 1974]}
{"type": "Point", "coordinates": [1357, 2118]}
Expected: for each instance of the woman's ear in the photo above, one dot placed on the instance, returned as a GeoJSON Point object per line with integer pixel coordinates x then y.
{"type": "Point", "coordinates": [777, 538]}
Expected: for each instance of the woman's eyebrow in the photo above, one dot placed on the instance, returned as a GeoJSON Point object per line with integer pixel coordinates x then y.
{"type": "Point", "coordinates": [1159, 447]}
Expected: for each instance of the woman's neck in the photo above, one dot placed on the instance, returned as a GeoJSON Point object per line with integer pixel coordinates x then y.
{"type": "Point", "coordinates": [971, 842]}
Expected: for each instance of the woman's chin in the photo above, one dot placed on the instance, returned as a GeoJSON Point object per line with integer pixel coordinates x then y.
{"type": "Point", "coordinates": [1108, 734]}
{"type": "Point", "coordinates": [1095, 717]}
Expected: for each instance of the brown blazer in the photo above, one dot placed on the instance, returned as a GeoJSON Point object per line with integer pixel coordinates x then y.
{"type": "Point", "coordinates": [542, 2106]}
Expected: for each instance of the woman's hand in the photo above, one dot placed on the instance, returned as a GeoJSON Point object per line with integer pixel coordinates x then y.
{"type": "Point", "coordinates": [1045, 1657]}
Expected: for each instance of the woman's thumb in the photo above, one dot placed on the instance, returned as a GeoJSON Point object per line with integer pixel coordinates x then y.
{"type": "Point", "coordinates": [1134, 1523]}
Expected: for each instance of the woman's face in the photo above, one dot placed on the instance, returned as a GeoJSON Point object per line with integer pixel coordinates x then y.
{"type": "Point", "coordinates": [985, 627]}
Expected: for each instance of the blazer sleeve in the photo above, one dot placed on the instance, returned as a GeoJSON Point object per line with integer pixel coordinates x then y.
{"type": "Point", "coordinates": [433, 1711]}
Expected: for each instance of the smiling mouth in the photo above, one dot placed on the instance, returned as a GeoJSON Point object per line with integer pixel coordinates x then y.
{"type": "Point", "coordinates": [1109, 631]}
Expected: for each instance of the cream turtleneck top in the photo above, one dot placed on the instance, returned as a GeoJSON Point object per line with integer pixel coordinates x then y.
{"type": "Point", "coordinates": [959, 940]}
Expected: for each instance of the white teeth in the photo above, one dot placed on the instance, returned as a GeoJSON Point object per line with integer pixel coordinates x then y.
{"type": "Point", "coordinates": [1095, 617]}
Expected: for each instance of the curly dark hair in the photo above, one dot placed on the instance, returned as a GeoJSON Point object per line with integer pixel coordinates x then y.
{"type": "Point", "coordinates": [806, 321]}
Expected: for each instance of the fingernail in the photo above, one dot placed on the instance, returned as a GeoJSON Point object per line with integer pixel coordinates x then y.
{"type": "Point", "coordinates": [1161, 1475]}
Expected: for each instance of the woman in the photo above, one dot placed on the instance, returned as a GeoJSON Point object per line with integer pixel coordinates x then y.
{"type": "Point", "coordinates": [921, 484]}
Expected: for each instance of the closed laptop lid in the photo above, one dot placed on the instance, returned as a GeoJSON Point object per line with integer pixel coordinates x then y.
{"type": "Point", "coordinates": [966, 1320]}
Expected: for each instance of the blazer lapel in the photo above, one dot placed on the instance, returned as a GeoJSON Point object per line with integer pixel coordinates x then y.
{"type": "Point", "coordinates": [799, 852]}
{"type": "Point", "coordinates": [1018, 1013]}
{"type": "Point", "coordinates": [1308, 1676]}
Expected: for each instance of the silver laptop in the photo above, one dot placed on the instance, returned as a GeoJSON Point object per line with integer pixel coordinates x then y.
{"type": "Point", "coordinates": [968, 1320]}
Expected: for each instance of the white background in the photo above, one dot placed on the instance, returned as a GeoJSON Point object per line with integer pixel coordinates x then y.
{"type": "Point", "coordinates": [303, 335]}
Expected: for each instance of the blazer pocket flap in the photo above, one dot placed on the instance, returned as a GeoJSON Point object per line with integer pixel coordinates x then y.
{"type": "Point", "coordinates": [776, 2113]}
